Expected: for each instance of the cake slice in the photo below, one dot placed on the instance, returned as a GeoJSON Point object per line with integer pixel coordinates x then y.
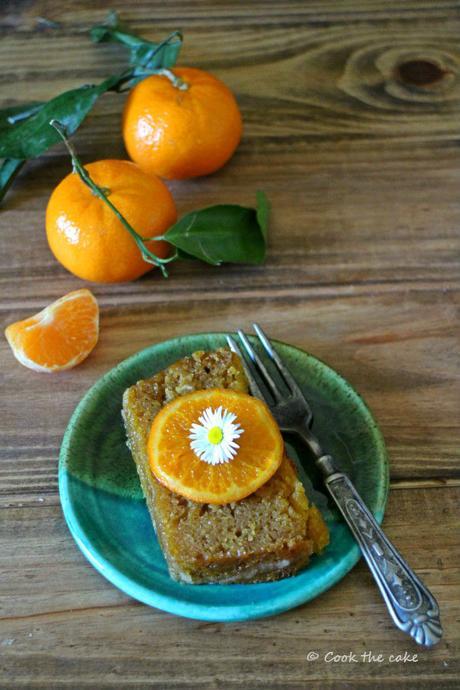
{"type": "Point", "coordinates": [268, 535]}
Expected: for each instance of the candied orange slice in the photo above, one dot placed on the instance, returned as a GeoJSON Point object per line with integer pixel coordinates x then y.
{"type": "Point", "coordinates": [186, 430]}
{"type": "Point", "coordinates": [58, 337]}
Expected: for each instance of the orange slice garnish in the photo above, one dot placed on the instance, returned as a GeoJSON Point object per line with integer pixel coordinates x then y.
{"type": "Point", "coordinates": [58, 337]}
{"type": "Point", "coordinates": [177, 465]}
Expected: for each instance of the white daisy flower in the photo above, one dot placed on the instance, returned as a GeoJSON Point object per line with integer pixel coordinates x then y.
{"type": "Point", "coordinates": [213, 439]}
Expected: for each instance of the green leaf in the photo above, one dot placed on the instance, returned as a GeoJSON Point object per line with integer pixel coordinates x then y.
{"type": "Point", "coordinates": [223, 233]}
{"type": "Point", "coordinates": [143, 53]}
{"type": "Point", "coordinates": [8, 171]}
{"type": "Point", "coordinates": [32, 136]}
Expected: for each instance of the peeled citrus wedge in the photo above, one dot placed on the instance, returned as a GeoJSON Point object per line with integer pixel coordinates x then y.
{"type": "Point", "coordinates": [241, 469]}
{"type": "Point", "coordinates": [60, 336]}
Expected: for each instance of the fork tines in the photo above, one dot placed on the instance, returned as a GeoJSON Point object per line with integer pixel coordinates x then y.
{"type": "Point", "coordinates": [255, 363]}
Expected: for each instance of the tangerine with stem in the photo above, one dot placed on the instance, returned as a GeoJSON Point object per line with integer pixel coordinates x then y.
{"type": "Point", "coordinates": [92, 213]}
{"type": "Point", "coordinates": [181, 123]}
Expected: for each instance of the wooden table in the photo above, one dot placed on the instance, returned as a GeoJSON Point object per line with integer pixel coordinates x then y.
{"type": "Point", "coordinates": [352, 115]}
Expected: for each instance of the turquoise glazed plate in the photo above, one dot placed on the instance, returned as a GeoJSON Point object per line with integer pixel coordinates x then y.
{"type": "Point", "coordinates": [107, 516]}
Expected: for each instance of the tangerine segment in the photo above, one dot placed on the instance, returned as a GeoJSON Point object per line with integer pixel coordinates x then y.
{"type": "Point", "coordinates": [175, 464]}
{"type": "Point", "coordinates": [58, 337]}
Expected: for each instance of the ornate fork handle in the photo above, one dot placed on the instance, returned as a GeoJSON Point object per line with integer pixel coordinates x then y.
{"type": "Point", "coordinates": [411, 605]}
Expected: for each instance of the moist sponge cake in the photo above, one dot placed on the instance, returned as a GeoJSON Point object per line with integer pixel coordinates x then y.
{"type": "Point", "coordinates": [266, 536]}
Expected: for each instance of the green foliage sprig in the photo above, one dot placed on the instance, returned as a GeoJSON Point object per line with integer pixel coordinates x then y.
{"type": "Point", "coordinates": [214, 235]}
{"type": "Point", "coordinates": [225, 233]}
{"type": "Point", "coordinates": [24, 130]}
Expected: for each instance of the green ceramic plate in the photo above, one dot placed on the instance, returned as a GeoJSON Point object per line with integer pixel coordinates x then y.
{"type": "Point", "coordinates": [106, 514]}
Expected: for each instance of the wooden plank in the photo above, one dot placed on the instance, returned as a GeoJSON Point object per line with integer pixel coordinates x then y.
{"type": "Point", "coordinates": [63, 623]}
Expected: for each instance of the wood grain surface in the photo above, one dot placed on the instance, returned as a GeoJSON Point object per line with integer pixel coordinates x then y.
{"type": "Point", "coordinates": [351, 113]}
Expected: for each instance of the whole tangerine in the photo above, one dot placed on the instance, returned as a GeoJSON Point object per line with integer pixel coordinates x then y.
{"type": "Point", "coordinates": [88, 239]}
{"type": "Point", "coordinates": [181, 126]}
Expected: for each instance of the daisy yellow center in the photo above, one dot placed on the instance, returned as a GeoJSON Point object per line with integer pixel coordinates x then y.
{"type": "Point", "coordinates": [215, 435]}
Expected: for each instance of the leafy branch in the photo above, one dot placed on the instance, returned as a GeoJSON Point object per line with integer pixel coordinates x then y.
{"type": "Point", "coordinates": [24, 130]}
{"type": "Point", "coordinates": [225, 233]}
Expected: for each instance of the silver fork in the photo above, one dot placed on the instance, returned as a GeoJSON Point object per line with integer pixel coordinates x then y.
{"type": "Point", "coordinates": [412, 606]}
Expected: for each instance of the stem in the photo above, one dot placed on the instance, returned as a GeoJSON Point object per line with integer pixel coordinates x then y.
{"type": "Point", "coordinates": [160, 46]}
{"type": "Point", "coordinates": [176, 81]}
{"type": "Point", "coordinates": [140, 69]}
{"type": "Point", "coordinates": [124, 78]}
{"type": "Point", "coordinates": [103, 193]}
